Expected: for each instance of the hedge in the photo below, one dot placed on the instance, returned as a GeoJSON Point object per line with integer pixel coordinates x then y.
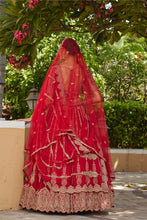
{"type": "Point", "coordinates": [127, 123]}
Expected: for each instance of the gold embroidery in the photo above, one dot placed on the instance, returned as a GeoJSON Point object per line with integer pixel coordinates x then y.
{"type": "Point", "coordinates": [78, 177]}
{"type": "Point", "coordinates": [74, 145]}
{"type": "Point", "coordinates": [71, 161]}
{"type": "Point", "coordinates": [47, 200]}
{"type": "Point", "coordinates": [90, 156]}
{"type": "Point", "coordinates": [78, 188]}
{"type": "Point", "coordinates": [39, 177]}
{"type": "Point", "coordinates": [103, 171]}
{"type": "Point", "coordinates": [92, 149]}
{"type": "Point", "coordinates": [82, 146]}
{"type": "Point", "coordinates": [48, 97]}
{"type": "Point", "coordinates": [64, 150]}
{"type": "Point", "coordinates": [94, 168]}
{"type": "Point", "coordinates": [50, 166]}
{"type": "Point", "coordinates": [86, 173]}
{"type": "Point", "coordinates": [87, 176]}
{"type": "Point", "coordinates": [53, 179]}
{"type": "Point", "coordinates": [67, 133]}
{"type": "Point", "coordinates": [64, 180]}
{"type": "Point", "coordinates": [42, 148]}
{"type": "Point", "coordinates": [32, 179]}
{"type": "Point", "coordinates": [51, 77]}
{"type": "Point", "coordinates": [27, 165]}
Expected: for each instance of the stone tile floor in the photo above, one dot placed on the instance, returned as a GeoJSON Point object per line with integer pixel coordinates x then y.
{"type": "Point", "coordinates": [130, 203]}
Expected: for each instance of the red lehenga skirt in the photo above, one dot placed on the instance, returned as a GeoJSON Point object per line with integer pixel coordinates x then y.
{"type": "Point", "coordinates": [76, 175]}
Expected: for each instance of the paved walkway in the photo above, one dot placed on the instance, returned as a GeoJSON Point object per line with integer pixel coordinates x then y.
{"type": "Point", "coordinates": [130, 203]}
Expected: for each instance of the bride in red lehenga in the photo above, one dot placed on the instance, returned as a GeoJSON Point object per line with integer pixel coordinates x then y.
{"type": "Point", "coordinates": [67, 164]}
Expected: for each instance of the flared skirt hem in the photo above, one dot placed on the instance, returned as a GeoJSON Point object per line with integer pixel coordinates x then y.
{"type": "Point", "coordinates": [46, 200]}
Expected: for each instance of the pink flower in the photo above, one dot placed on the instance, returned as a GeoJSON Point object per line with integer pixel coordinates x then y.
{"type": "Point", "coordinates": [102, 6]}
{"type": "Point", "coordinates": [33, 3]}
{"type": "Point", "coordinates": [10, 61]}
{"type": "Point", "coordinates": [19, 63]}
{"type": "Point", "coordinates": [25, 26]}
{"type": "Point", "coordinates": [98, 15]}
{"type": "Point", "coordinates": [19, 35]}
{"type": "Point", "coordinates": [24, 35]}
{"type": "Point", "coordinates": [15, 34]}
{"type": "Point", "coordinates": [19, 41]}
{"type": "Point", "coordinates": [30, 5]}
{"type": "Point", "coordinates": [111, 10]}
{"type": "Point", "coordinates": [24, 59]}
{"type": "Point", "coordinates": [53, 26]}
{"type": "Point", "coordinates": [106, 13]}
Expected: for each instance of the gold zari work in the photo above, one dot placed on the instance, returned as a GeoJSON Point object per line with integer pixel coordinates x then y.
{"type": "Point", "coordinates": [45, 200]}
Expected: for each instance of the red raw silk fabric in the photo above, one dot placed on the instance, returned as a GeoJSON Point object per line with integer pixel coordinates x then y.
{"type": "Point", "coordinates": [67, 145]}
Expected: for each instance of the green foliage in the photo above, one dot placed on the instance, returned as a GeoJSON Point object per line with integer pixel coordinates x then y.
{"type": "Point", "coordinates": [106, 20]}
{"type": "Point", "coordinates": [124, 68]}
{"type": "Point", "coordinates": [16, 90]}
{"type": "Point", "coordinates": [127, 123]}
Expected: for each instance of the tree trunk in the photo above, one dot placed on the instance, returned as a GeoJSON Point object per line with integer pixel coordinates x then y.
{"type": "Point", "coordinates": [2, 68]}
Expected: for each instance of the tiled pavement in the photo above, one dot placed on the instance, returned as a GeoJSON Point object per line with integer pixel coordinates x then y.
{"type": "Point", "coordinates": [130, 203]}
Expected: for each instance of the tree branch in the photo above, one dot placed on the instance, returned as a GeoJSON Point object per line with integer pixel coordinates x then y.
{"type": "Point", "coordinates": [141, 34]}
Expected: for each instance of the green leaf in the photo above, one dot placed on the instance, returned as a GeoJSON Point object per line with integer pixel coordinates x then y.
{"type": "Point", "coordinates": [9, 11]}
{"type": "Point", "coordinates": [33, 53]}
{"type": "Point", "coordinates": [7, 24]}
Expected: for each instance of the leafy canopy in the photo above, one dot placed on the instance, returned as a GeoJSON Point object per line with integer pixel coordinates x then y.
{"type": "Point", "coordinates": [23, 24]}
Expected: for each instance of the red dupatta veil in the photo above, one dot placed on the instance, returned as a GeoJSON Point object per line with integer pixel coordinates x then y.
{"type": "Point", "coordinates": [68, 119]}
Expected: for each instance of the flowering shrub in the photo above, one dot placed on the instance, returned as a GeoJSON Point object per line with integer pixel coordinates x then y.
{"type": "Point", "coordinates": [108, 20]}
{"type": "Point", "coordinates": [20, 35]}
{"type": "Point", "coordinates": [24, 33]}
{"type": "Point", "coordinates": [33, 3]}
{"type": "Point", "coordinates": [19, 63]}
{"type": "Point", "coordinates": [25, 26]}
